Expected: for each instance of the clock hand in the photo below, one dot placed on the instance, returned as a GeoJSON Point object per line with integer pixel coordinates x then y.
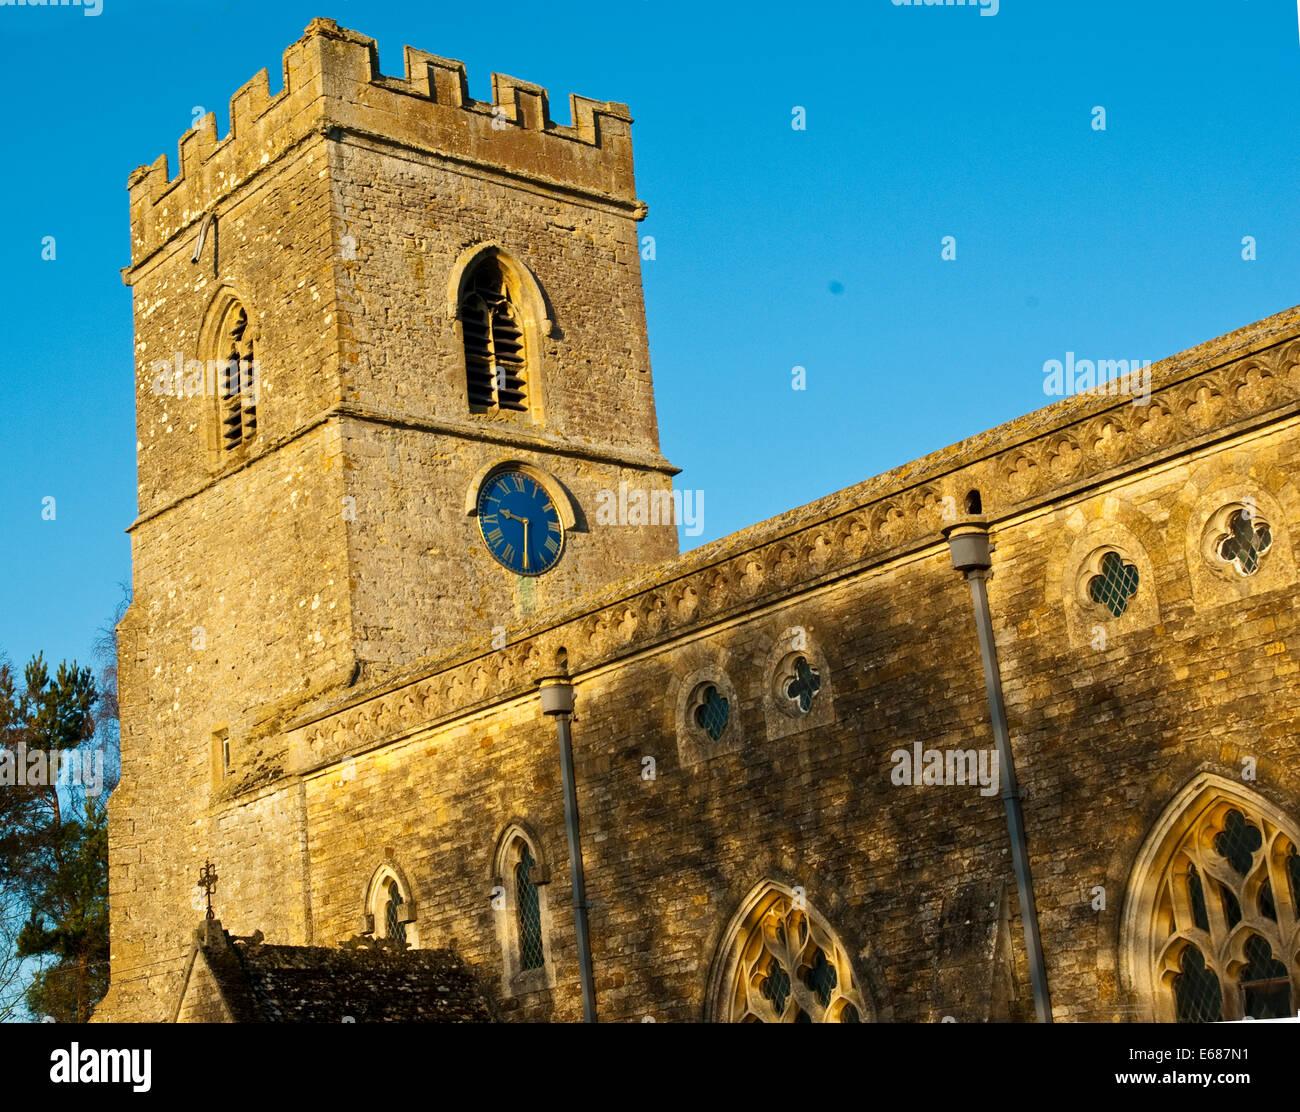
{"type": "Point", "coordinates": [525, 521]}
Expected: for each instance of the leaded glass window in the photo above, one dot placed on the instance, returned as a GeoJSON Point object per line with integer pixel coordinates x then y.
{"type": "Point", "coordinates": [1197, 990]}
{"type": "Point", "coordinates": [394, 927]}
{"type": "Point", "coordinates": [712, 711]}
{"type": "Point", "coordinates": [1116, 583]}
{"type": "Point", "coordinates": [1247, 541]}
{"type": "Point", "coordinates": [775, 985]}
{"type": "Point", "coordinates": [803, 686]}
{"type": "Point", "coordinates": [1265, 983]}
{"type": "Point", "coordinates": [786, 966]}
{"type": "Point", "coordinates": [1237, 842]}
{"type": "Point", "coordinates": [528, 911]}
{"type": "Point", "coordinates": [1225, 908]}
{"type": "Point", "coordinates": [821, 977]}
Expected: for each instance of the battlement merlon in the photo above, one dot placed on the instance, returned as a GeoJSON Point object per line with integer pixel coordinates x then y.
{"type": "Point", "coordinates": [333, 87]}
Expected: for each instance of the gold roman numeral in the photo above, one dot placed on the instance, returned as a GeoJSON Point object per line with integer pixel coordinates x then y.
{"type": "Point", "coordinates": [494, 536]}
{"type": "Point", "coordinates": [551, 546]}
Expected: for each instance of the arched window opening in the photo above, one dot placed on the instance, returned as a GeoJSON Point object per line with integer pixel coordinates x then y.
{"type": "Point", "coordinates": [712, 710]}
{"type": "Point", "coordinates": [1219, 919]}
{"type": "Point", "coordinates": [236, 380]}
{"type": "Point", "coordinates": [495, 357]}
{"type": "Point", "coordinates": [782, 963]}
{"type": "Point", "coordinates": [390, 909]}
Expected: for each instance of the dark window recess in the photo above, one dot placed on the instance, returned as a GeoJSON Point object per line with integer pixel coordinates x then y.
{"type": "Point", "coordinates": [494, 342]}
{"type": "Point", "coordinates": [712, 713]}
{"type": "Point", "coordinates": [237, 383]}
{"type": "Point", "coordinates": [1197, 893]}
{"type": "Point", "coordinates": [1237, 842]}
{"type": "Point", "coordinates": [821, 978]}
{"type": "Point", "coordinates": [1197, 991]}
{"type": "Point", "coordinates": [775, 986]}
{"type": "Point", "coordinates": [804, 685]}
{"type": "Point", "coordinates": [1265, 984]}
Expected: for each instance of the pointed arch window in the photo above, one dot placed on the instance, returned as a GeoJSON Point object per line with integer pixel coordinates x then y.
{"type": "Point", "coordinates": [782, 963]}
{"type": "Point", "coordinates": [390, 911]}
{"type": "Point", "coordinates": [1224, 931]}
{"type": "Point", "coordinates": [236, 380]}
{"type": "Point", "coordinates": [521, 878]}
{"type": "Point", "coordinates": [495, 355]}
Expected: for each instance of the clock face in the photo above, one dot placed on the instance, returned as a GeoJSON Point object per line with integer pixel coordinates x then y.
{"type": "Point", "coordinates": [519, 523]}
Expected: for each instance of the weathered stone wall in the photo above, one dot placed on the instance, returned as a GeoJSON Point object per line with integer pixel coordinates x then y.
{"type": "Point", "coordinates": [336, 541]}
{"type": "Point", "coordinates": [423, 577]}
{"type": "Point", "coordinates": [373, 719]}
{"type": "Point", "coordinates": [1109, 718]}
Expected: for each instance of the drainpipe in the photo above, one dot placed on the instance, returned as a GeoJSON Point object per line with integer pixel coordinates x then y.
{"type": "Point", "coordinates": [557, 702]}
{"type": "Point", "coordinates": [968, 542]}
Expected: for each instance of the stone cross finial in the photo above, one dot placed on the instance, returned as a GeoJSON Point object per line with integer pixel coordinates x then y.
{"type": "Point", "coordinates": [208, 882]}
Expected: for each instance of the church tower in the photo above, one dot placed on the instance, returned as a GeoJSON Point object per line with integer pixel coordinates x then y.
{"type": "Point", "coordinates": [391, 360]}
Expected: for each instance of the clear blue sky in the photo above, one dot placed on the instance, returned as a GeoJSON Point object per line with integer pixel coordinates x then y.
{"type": "Point", "coordinates": [775, 247]}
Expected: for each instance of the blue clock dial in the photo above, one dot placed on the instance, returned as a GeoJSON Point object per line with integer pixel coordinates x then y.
{"type": "Point", "coordinates": [519, 522]}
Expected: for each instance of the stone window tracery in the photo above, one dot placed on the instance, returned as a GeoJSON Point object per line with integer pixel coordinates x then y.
{"type": "Point", "coordinates": [1228, 941]}
{"type": "Point", "coordinates": [786, 966]}
{"type": "Point", "coordinates": [1246, 541]}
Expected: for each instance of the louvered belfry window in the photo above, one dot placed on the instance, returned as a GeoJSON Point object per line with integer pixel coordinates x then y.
{"type": "Point", "coordinates": [237, 382]}
{"type": "Point", "coordinates": [494, 342]}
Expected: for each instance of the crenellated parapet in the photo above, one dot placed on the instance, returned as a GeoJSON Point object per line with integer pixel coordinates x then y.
{"type": "Point", "coordinates": [333, 88]}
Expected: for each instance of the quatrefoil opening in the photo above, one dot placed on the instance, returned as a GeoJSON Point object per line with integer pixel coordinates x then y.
{"type": "Point", "coordinates": [1238, 842]}
{"type": "Point", "coordinates": [801, 684]}
{"type": "Point", "coordinates": [1247, 540]}
{"type": "Point", "coordinates": [1116, 583]}
{"type": "Point", "coordinates": [712, 711]}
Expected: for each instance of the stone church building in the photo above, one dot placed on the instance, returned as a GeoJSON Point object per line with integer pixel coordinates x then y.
{"type": "Point", "coordinates": [392, 373]}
